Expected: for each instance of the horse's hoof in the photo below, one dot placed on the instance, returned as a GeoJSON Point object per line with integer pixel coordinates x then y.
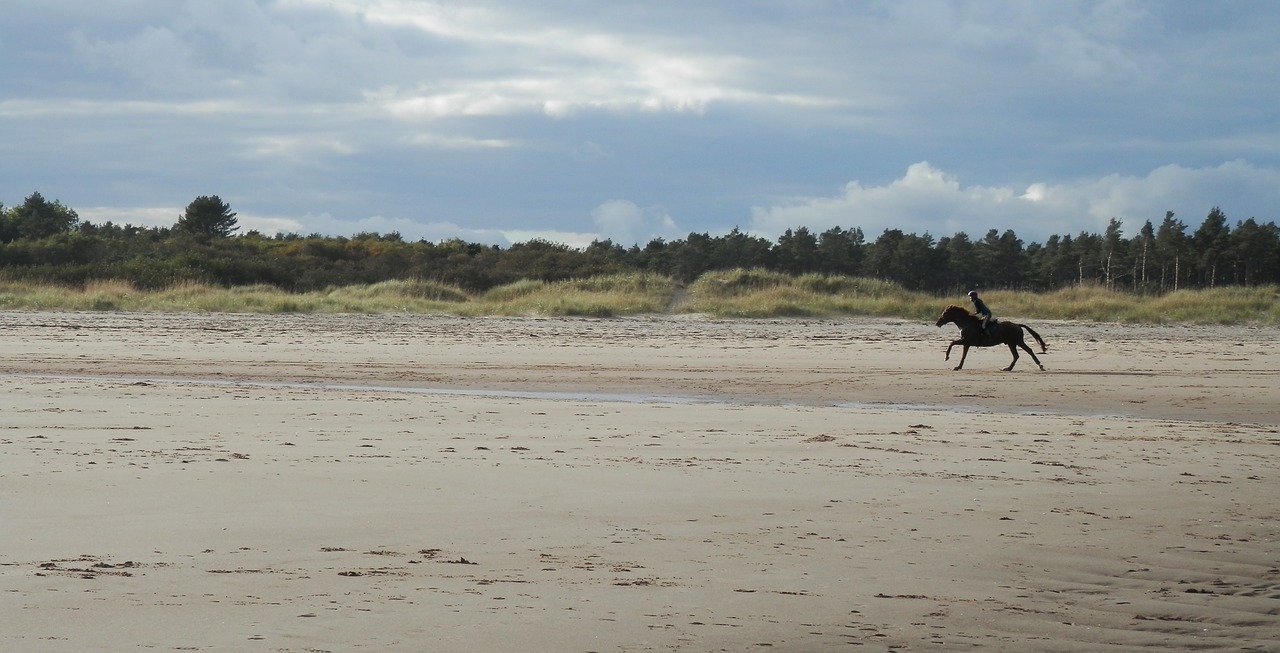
{"type": "Point", "coordinates": [956, 368]}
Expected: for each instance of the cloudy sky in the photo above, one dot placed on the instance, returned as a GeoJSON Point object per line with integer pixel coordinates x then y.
{"type": "Point", "coordinates": [497, 121]}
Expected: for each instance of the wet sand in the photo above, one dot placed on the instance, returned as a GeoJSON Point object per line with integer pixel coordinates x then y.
{"type": "Point", "coordinates": [414, 483]}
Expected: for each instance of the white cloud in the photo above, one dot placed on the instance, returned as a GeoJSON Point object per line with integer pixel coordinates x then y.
{"type": "Point", "coordinates": [411, 230]}
{"type": "Point", "coordinates": [151, 216]}
{"type": "Point", "coordinates": [516, 59]}
{"type": "Point", "coordinates": [928, 200]}
{"type": "Point", "coordinates": [298, 148]}
{"type": "Point", "coordinates": [449, 142]}
{"type": "Point", "coordinates": [925, 199]}
{"type": "Point", "coordinates": [1240, 189]}
{"type": "Point", "coordinates": [626, 224]}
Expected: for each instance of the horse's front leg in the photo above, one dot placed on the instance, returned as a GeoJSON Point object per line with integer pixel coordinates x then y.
{"type": "Point", "coordinates": [953, 344]}
{"type": "Point", "coordinates": [964, 353]}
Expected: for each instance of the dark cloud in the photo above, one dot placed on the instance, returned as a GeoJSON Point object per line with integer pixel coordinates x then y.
{"type": "Point", "coordinates": [571, 117]}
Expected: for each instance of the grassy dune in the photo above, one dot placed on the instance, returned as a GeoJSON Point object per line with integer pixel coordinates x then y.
{"type": "Point", "coordinates": [727, 294]}
{"type": "Point", "coordinates": [759, 293]}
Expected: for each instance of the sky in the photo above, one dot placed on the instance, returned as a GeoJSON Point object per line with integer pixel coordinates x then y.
{"type": "Point", "coordinates": [500, 121]}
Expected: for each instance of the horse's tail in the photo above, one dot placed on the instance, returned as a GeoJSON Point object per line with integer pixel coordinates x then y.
{"type": "Point", "coordinates": [1043, 347]}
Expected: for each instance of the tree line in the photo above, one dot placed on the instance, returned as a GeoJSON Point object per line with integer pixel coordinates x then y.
{"type": "Point", "coordinates": [46, 241]}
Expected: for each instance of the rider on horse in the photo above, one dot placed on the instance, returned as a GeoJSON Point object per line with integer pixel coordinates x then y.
{"type": "Point", "coordinates": [980, 307]}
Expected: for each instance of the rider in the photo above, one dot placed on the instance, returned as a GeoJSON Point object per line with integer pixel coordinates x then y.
{"type": "Point", "coordinates": [980, 307]}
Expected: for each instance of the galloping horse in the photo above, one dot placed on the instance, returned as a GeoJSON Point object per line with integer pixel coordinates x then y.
{"type": "Point", "coordinates": [1004, 333]}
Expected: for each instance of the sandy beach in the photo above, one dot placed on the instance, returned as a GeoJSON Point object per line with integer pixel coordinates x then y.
{"type": "Point", "coordinates": [309, 483]}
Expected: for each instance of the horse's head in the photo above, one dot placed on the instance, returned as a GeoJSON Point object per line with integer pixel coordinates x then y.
{"type": "Point", "coordinates": [951, 314]}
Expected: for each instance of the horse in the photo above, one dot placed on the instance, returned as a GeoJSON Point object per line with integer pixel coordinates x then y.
{"type": "Point", "coordinates": [1002, 333]}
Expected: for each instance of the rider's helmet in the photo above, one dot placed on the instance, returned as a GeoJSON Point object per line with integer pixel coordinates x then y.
{"type": "Point", "coordinates": [973, 294]}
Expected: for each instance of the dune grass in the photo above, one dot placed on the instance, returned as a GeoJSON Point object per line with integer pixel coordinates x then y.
{"type": "Point", "coordinates": [745, 293]}
{"type": "Point", "coordinates": [385, 297]}
{"type": "Point", "coordinates": [605, 296]}
{"type": "Point", "coordinates": [760, 293]}
{"type": "Point", "coordinates": [1225, 305]}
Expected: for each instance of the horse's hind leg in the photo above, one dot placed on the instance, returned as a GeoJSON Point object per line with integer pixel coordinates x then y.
{"type": "Point", "coordinates": [1013, 350]}
{"type": "Point", "coordinates": [1033, 355]}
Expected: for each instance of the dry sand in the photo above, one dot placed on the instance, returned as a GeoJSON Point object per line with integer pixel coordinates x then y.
{"type": "Point", "coordinates": [409, 483]}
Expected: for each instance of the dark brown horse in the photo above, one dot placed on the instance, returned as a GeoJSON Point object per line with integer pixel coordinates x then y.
{"type": "Point", "coordinates": [1002, 333]}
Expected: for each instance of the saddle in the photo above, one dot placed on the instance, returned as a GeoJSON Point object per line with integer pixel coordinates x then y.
{"type": "Point", "coordinates": [991, 331]}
